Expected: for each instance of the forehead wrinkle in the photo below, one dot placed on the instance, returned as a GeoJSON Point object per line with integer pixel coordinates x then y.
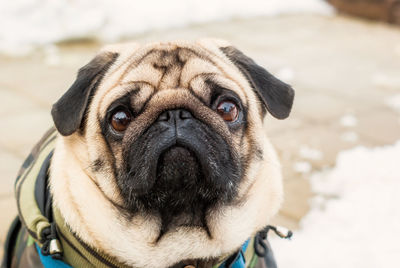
{"type": "Point", "coordinates": [200, 51]}
{"type": "Point", "coordinates": [205, 57]}
{"type": "Point", "coordinates": [119, 66]}
{"type": "Point", "coordinates": [143, 95]}
{"type": "Point", "coordinates": [220, 68]}
{"type": "Point", "coordinates": [228, 84]}
{"type": "Point", "coordinates": [102, 99]}
{"type": "Point", "coordinates": [101, 109]}
{"type": "Point", "coordinates": [126, 88]}
{"type": "Point", "coordinates": [121, 76]}
{"type": "Point", "coordinates": [200, 95]}
{"type": "Point", "coordinates": [134, 82]}
{"type": "Point", "coordinates": [135, 61]}
{"type": "Point", "coordinates": [223, 71]}
{"type": "Point", "coordinates": [199, 88]}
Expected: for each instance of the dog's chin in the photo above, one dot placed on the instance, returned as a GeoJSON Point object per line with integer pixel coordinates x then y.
{"type": "Point", "coordinates": [180, 195]}
{"type": "Point", "coordinates": [178, 168]}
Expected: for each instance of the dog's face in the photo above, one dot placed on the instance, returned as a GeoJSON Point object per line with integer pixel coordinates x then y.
{"type": "Point", "coordinates": [166, 143]}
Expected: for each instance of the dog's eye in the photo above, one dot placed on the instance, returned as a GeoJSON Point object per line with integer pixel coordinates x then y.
{"type": "Point", "coordinates": [120, 120]}
{"type": "Point", "coordinates": [228, 111]}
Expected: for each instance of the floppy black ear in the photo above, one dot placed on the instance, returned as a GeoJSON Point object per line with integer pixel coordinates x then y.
{"type": "Point", "coordinates": [276, 95]}
{"type": "Point", "coordinates": [70, 109]}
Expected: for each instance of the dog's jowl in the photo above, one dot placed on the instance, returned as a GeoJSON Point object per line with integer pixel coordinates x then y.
{"type": "Point", "coordinates": [158, 158]}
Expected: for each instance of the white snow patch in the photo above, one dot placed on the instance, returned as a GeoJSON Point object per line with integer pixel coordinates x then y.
{"type": "Point", "coordinates": [348, 120]}
{"type": "Point", "coordinates": [386, 80]}
{"type": "Point", "coordinates": [285, 74]}
{"type": "Point", "coordinates": [394, 102]}
{"type": "Point", "coordinates": [310, 153]}
{"type": "Point", "coordinates": [397, 50]}
{"type": "Point", "coordinates": [349, 136]}
{"type": "Point", "coordinates": [355, 217]}
{"type": "Point", "coordinates": [302, 167]}
{"type": "Point", "coordinates": [52, 55]}
{"type": "Point", "coordinates": [26, 24]}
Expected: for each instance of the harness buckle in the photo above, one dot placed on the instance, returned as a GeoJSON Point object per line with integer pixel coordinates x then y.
{"type": "Point", "coordinates": [55, 247]}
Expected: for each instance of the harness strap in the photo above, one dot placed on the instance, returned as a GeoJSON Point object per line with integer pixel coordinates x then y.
{"type": "Point", "coordinates": [10, 242]}
{"type": "Point", "coordinates": [263, 248]}
{"type": "Point", "coordinates": [28, 209]}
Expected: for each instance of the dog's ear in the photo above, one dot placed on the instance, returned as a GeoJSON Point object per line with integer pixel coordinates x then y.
{"type": "Point", "coordinates": [275, 94]}
{"type": "Point", "coordinates": [68, 112]}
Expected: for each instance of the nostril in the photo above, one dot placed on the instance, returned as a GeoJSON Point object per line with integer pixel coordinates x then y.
{"type": "Point", "coordinates": [174, 115]}
{"type": "Point", "coordinates": [184, 114]}
{"type": "Point", "coordinates": [164, 116]}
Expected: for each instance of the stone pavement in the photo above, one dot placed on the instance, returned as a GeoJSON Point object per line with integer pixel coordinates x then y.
{"type": "Point", "coordinates": [343, 70]}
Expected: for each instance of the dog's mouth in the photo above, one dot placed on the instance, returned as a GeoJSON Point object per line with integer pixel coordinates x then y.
{"type": "Point", "coordinates": [178, 167]}
{"type": "Point", "coordinates": [180, 192]}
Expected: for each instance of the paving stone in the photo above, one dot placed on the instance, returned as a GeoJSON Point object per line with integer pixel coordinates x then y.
{"type": "Point", "coordinates": [318, 107]}
{"type": "Point", "coordinates": [324, 138]}
{"type": "Point", "coordinates": [381, 126]}
{"type": "Point", "coordinates": [41, 82]}
{"type": "Point", "coordinates": [295, 121]}
{"type": "Point", "coordinates": [19, 133]}
{"type": "Point", "coordinates": [8, 210]}
{"type": "Point", "coordinates": [14, 103]}
{"type": "Point", "coordinates": [297, 193]}
{"type": "Point", "coordinates": [10, 165]}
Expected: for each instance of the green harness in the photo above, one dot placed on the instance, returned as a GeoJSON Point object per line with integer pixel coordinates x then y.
{"type": "Point", "coordinates": [40, 236]}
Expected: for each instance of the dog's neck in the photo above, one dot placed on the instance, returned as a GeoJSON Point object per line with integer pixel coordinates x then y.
{"type": "Point", "coordinates": [79, 254]}
{"type": "Point", "coordinates": [133, 242]}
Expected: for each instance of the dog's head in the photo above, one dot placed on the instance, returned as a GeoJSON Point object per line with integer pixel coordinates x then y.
{"type": "Point", "coordinates": [165, 144]}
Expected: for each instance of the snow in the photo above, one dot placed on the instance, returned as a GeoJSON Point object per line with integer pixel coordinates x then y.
{"type": "Point", "coordinates": [384, 80]}
{"type": "Point", "coordinates": [348, 120]}
{"type": "Point", "coordinates": [397, 50]}
{"type": "Point", "coordinates": [302, 167]}
{"type": "Point", "coordinates": [349, 136]}
{"type": "Point", "coordinates": [354, 218]}
{"type": "Point", "coordinates": [394, 102]}
{"type": "Point", "coordinates": [27, 24]}
{"type": "Point", "coordinates": [310, 153]}
{"type": "Point", "coordinates": [285, 74]}
{"type": "Point", "coordinates": [52, 56]}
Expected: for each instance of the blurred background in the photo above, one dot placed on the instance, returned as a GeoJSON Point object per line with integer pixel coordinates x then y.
{"type": "Point", "coordinates": [340, 148]}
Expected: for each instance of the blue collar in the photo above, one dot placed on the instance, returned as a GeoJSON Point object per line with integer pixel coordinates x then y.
{"type": "Point", "coordinates": [239, 260]}
{"type": "Point", "coordinates": [49, 262]}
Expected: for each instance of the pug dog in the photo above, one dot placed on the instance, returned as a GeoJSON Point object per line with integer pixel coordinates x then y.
{"type": "Point", "coordinates": [162, 155]}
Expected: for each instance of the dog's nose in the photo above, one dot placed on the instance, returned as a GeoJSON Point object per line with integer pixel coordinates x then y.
{"type": "Point", "coordinates": [174, 116]}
